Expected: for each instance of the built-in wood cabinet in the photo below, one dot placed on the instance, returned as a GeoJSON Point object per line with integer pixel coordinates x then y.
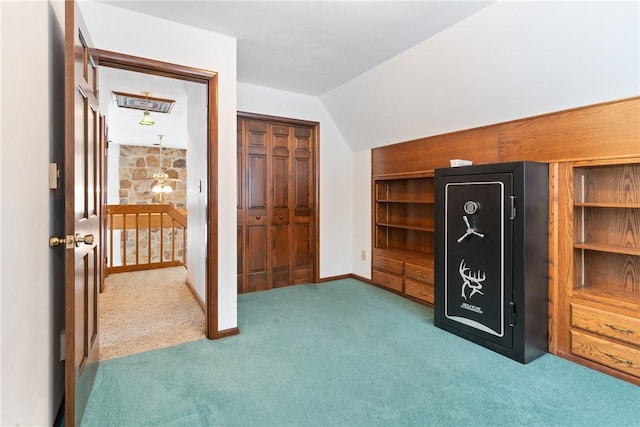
{"type": "Point", "coordinates": [404, 234]}
{"type": "Point", "coordinates": [594, 234]}
{"type": "Point", "coordinates": [276, 203]}
{"type": "Point", "coordinates": [603, 295]}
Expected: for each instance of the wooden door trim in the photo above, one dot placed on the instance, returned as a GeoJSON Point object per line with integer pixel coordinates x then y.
{"type": "Point", "coordinates": [151, 66]}
{"type": "Point", "coordinates": [315, 126]}
{"type": "Point", "coordinates": [284, 120]}
{"type": "Point", "coordinates": [210, 78]}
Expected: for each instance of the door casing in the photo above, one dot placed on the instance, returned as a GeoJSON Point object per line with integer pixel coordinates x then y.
{"type": "Point", "coordinates": [210, 79]}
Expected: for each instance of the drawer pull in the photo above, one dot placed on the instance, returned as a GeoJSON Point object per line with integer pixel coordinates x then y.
{"type": "Point", "coordinates": [385, 265]}
{"type": "Point", "coordinates": [423, 275]}
{"type": "Point", "coordinates": [624, 331]}
{"type": "Point", "coordinates": [424, 294]}
{"type": "Point", "coordinates": [618, 360]}
{"type": "Point", "coordinates": [258, 217]}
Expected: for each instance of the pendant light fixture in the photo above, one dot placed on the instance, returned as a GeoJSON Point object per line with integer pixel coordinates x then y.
{"type": "Point", "coordinates": [162, 187]}
{"type": "Point", "coordinates": [146, 118]}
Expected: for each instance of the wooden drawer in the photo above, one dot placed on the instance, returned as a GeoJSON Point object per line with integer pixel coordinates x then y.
{"type": "Point", "coordinates": [419, 290]}
{"type": "Point", "coordinates": [612, 325]}
{"type": "Point", "coordinates": [605, 352]}
{"type": "Point", "coordinates": [388, 280]}
{"type": "Point", "coordinates": [419, 272]}
{"type": "Point", "coordinates": [388, 264]}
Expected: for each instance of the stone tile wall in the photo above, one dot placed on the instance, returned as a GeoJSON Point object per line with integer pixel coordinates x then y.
{"type": "Point", "coordinates": [143, 246]}
{"type": "Point", "coordinates": [137, 166]}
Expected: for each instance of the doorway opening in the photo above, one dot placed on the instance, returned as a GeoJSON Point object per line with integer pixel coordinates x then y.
{"type": "Point", "coordinates": [203, 217]}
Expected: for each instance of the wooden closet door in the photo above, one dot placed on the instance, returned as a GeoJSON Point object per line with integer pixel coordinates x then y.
{"type": "Point", "coordinates": [257, 230]}
{"type": "Point", "coordinates": [280, 205]}
{"type": "Point", "coordinates": [276, 204]}
{"type": "Point", "coordinates": [241, 202]}
{"type": "Point", "coordinates": [303, 213]}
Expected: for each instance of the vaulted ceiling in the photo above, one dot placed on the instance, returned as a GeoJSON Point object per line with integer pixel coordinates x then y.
{"type": "Point", "coordinates": [311, 47]}
{"type": "Point", "coordinates": [428, 67]}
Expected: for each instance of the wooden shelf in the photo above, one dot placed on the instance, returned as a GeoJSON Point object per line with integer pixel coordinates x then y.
{"type": "Point", "coordinates": [608, 297]}
{"type": "Point", "coordinates": [606, 284]}
{"type": "Point", "coordinates": [421, 258]}
{"type": "Point", "coordinates": [403, 232]}
{"type": "Point", "coordinates": [608, 205]}
{"type": "Point", "coordinates": [600, 247]}
{"type": "Point", "coordinates": [424, 202]}
{"type": "Point", "coordinates": [406, 226]}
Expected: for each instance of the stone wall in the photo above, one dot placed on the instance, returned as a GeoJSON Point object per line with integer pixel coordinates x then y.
{"type": "Point", "coordinates": [137, 166]}
{"type": "Point", "coordinates": [143, 246]}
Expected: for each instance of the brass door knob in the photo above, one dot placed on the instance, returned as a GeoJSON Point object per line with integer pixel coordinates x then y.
{"type": "Point", "coordinates": [87, 240]}
{"type": "Point", "coordinates": [66, 241]}
{"type": "Point", "coordinates": [56, 241]}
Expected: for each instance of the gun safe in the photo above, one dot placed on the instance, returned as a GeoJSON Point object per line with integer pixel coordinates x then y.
{"type": "Point", "coordinates": [491, 256]}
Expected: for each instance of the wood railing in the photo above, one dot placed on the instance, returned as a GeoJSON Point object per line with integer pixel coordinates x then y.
{"type": "Point", "coordinates": [142, 237]}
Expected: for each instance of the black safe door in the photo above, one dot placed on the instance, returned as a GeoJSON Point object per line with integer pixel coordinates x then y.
{"type": "Point", "coordinates": [478, 251]}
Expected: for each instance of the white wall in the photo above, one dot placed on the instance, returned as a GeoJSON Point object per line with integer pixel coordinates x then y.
{"type": "Point", "coordinates": [510, 60]}
{"type": "Point", "coordinates": [1, 227]}
{"type": "Point", "coordinates": [113, 189]}
{"type": "Point", "coordinates": [32, 38]}
{"type": "Point", "coordinates": [197, 187]}
{"type": "Point", "coordinates": [361, 222]}
{"type": "Point", "coordinates": [336, 166]}
{"type": "Point", "coordinates": [140, 35]}
{"type": "Point", "coordinates": [113, 174]}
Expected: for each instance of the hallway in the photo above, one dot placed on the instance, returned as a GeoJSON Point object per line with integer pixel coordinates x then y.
{"type": "Point", "coordinates": [145, 310]}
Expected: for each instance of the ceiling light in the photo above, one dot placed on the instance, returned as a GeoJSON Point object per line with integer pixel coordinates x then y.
{"type": "Point", "coordinates": [162, 186]}
{"type": "Point", "coordinates": [146, 118]}
{"type": "Point", "coordinates": [143, 102]}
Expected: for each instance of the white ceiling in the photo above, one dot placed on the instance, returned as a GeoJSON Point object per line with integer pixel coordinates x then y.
{"type": "Point", "coordinates": [310, 47]}
{"type": "Point", "coordinates": [123, 122]}
{"type": "Point", "coordinates": [307, 47]}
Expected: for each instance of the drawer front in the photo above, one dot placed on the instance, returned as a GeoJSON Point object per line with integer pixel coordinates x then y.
{"type": "Point", "coordinates": [419, 272]}
{"type": "Point", "coordinates": [388, 264]}
{"type": "Point", "coordinates": [422, 291]}
{"type": "Point", "coordinates": [387, 280]}
{"type": "Point", "coordinates": [612, 325]}
{"type": "Point", "coordinates": [604, 352]}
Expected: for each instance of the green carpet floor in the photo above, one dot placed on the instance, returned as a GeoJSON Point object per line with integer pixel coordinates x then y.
{"type": "Point", "coordinates": [345, 353]}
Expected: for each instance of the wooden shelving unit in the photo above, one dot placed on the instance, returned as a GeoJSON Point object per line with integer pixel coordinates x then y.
{"type": "Point", "coordinates": [404, 234]}
{"type": "Point", "coordinates": [604, 298]}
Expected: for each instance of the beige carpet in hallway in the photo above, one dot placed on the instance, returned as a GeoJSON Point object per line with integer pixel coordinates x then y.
{"type": "Point", "coordinates": [145, 310]}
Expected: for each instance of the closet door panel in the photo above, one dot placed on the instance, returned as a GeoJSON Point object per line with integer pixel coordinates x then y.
{"type": "Point", "coordinates": [281, 275]}
{"type": "Point", "coordinates": [303, 260]}
{"type": "Point", "coordinates": [241, 262]}
{"type": "Point", "coordinates": [258, 236]}
{"type": "Point", "coordinates": [240, 220]}
{"type": "Point", "coordinates": [303, 185]}
{"type": "Point", "coordinates": [257, 243]}
{"type": "Point", "coordinates": [280, 137]}
{"type": "Point", "coordinates": [280, 203]}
